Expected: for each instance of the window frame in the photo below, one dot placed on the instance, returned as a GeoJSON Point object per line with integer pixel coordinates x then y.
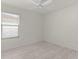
{"type": "Point", "coordinates": [10, 25]}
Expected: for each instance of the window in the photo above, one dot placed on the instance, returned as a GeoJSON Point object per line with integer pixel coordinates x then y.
{"type": "Point", "coordinates": [10, 23]}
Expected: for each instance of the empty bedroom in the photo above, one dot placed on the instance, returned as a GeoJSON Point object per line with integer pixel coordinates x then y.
{"type": "Point", "coordinates": [39, 29]}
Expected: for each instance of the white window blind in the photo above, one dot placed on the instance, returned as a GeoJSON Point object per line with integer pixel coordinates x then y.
{"type": "Point", "coordinates": [10, 23]}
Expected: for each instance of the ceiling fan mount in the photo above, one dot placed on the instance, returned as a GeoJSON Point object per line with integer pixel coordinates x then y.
{"type": "Point", "coordinates": [41, 3]}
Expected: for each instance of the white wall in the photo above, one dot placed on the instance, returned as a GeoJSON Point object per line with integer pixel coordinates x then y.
{"type": "Point", "coordinates": [61, 27]}
{"type": "Point", "coordinates": [30, 29]}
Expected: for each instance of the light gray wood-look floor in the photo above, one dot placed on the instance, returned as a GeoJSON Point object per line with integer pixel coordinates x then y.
{"type": "Point", "coordinates": [40, 50]}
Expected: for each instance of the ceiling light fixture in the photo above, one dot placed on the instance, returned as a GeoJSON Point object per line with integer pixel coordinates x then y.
{"type": "Point", "coordinates": [41, 3]}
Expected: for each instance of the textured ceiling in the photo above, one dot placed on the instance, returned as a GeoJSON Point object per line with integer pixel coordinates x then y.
{"type": "Point", "coordinates": [27, 4]}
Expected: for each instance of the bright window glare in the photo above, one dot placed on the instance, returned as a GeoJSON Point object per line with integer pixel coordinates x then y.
{"type": "Point", "coordinates": [10, 23]}
{"type": "Point", "coordinates": [9, 31]}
